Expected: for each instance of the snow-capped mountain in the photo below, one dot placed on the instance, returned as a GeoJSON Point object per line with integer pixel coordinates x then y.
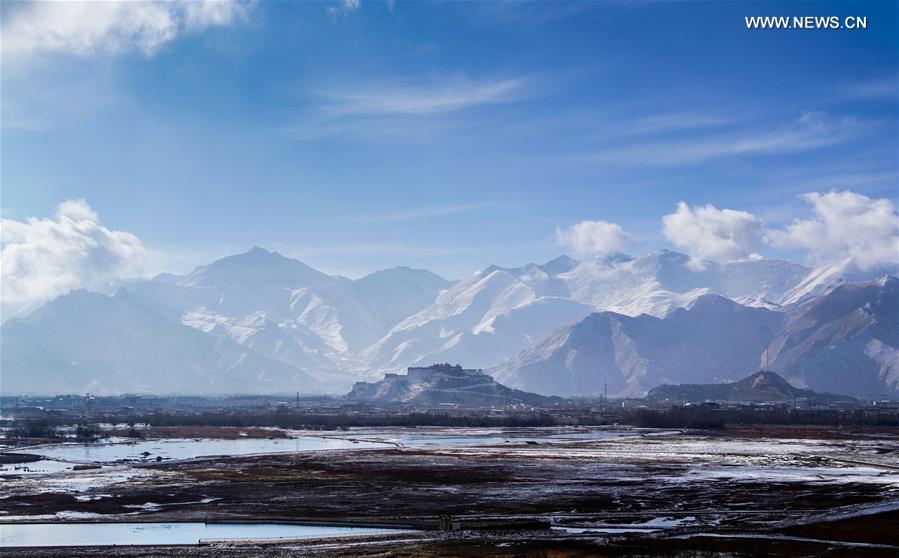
{"type": "Point", "coordinates": [256, 268]}
{"type": "Point", "coordinates": [340, 330]}
{"type": "Point", "coordinates": [89, 342]}
{"type": "Point", "coordinates": [293, 314]}
{"type": "Point", "coordinates": [659, 282]}
{"type": "Point", "coordinates": [483, 319]}
{"type": "Point", "coordinates": [845, 341]}
{"type": "Point", "coordinates": [493, 314]}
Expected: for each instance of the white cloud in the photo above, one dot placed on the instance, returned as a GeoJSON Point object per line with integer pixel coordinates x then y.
{"type": "Point", "coordinates": [676, 121]}
{"type": "Point", "coordinates": [845, 224]}
{"type": "Point", "coordinates": [589, 238]}
{"type": "Point", "coordinates": [44, 258]}
{"type": "Point", "coordinates": [90, 28]}
{"type": "Point", "coordinates": [440, 96]}
{"type": "Point", "coordinates": [706, 232]}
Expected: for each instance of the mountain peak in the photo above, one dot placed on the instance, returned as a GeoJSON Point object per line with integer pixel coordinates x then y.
{"type": "Point", "coordinates": [712, 302]}
{"type": "Point", "coordinates": [257, 267]}
{"type": "Point", "coordinates": [613, 258]}
{"type": "Point", "coordinates": [560, 264]}
{"type": "Point", "coordinates": [766, 379]}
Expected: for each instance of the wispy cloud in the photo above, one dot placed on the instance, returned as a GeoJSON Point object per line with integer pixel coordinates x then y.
{"type": "Point", "coordinates": [107, 28]}
{"type": "Point", "coordinates": [404, 109]}
{"type": "Point", "coordinates": [676, 121]}
{"type": "Point", "coordinates": [810, 131]}
{"type": "Point", "coordinates": [343, 8]}
{"type": "Point", "coordinates": [886, 88]}
{"type": "Point", "coordinates": [432, 97]}
{"type": "Point", "coordinates": [423, 213]}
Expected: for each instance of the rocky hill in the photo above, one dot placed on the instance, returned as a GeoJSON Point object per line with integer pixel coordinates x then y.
{"type": "Point", "coordinates": [444, 384]}
{"type": "Point", "coordinates": [763, 386]}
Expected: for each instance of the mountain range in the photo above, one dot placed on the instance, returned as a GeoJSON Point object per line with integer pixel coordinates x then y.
{"type": "Point", "coordinates": [263, 322]}
{"type": "Point", "coordinates": [844, 341]}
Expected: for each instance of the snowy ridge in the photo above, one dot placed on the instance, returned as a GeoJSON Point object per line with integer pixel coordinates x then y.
{"type": "Point", "coordinates": [339, 330]}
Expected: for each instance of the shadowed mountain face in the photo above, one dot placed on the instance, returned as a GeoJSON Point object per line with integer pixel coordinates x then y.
{"type": "Point", "coordinates": [842, 342]}
{"type": "Point", "coordinates": [88, 342]}
{"type": "Point", "coordinates": [846, 341]}
{"type": "Point", "coordinates": [715, 339]}
{"type": "Point", "coordinates": [442, 384]}
{"type": "Point", "coordinates": [763, 386]}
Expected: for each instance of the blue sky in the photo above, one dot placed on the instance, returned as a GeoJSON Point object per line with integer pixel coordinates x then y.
{"type": "Point", "coordinates": [447, 135]}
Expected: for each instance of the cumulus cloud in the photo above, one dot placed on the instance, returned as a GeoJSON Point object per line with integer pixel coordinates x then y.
{"type": "Point", "coordinates": [89, 28]}
{"type": "Point", "coordinates": [589, 238]}
{"type": "Point", "coordinates": [44, 258]}
{"type": "Point", "coordinates": [845, 225]}
{"type": "Point", "coordinates": [706, 232]}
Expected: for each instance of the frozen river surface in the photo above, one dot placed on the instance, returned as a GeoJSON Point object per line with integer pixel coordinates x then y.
{"type": "Point", "coordinates": [118, 449]}
{"type": "Point", "coordinates": [109, 534]}
{"type": "Point", "coordinates": [124, 449]}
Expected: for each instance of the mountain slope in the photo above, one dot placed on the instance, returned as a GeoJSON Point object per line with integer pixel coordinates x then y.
{"type": "Point", "coordinates": [846, 341]}
{"type": "Point", "coordinates": [481, 320]}
{"type": "Point", "coordinates": [316, 322]}
{"type": "Point", "coordinates": [714, 339]}
{"type": "Point", "coordinates": [368, 307]}
{"type": "Point", "coordinates": [490, 316]}
{"type": "Point", "coordinates": [85, 341]}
